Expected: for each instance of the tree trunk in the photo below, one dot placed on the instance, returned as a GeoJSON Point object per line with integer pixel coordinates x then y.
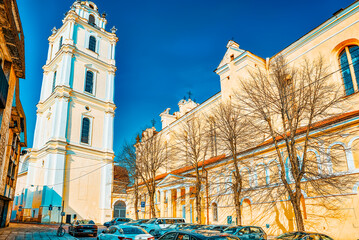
{"type": "Point", "coordinates": [298, 213]}
{"type": "Point", "coordinates": [136, 202]}
{"type": "Point", "coordinates": [152, 204]}
{"type": "Point", "coordinates": [198, 208]}
{"type": "Point", "coordinates": [237, 204]}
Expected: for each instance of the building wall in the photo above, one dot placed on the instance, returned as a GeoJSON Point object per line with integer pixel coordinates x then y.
{"type": "Point", "coordinates": [260, 171]}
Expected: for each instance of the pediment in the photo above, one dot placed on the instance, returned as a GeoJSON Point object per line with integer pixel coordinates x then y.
{"type": "Point", "coordinates": [232, 49]}
{"type": "Point", "coordinates": [170, 178]}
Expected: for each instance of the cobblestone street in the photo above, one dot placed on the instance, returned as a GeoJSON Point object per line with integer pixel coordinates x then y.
{"type": "Point", "coordinates": [31, 231]}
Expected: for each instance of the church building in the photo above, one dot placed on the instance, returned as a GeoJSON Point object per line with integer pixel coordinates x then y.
{"type": "Point", "coordinates": [336, 158]}
{"type": "Point", "coordinates": [70, 166]}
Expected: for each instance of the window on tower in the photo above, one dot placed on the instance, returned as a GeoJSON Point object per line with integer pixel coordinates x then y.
{"type": "Point", "coordinates": [54, 81]}
{"type": "Point", "coordinates": [89, 82]}
{"type": "Point", "coordinates": [60, 44]}
{"type": "Point", "coordinates": [92, 20]}
{"type": "Point", "coordinates": [92, 43]}
{"type": "Point", "coordinates": [85, 131]}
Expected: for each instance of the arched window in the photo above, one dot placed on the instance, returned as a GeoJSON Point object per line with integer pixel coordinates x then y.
{"type": "Point", "coordinates": [215, 212]}
{"type": "Point", "coordinates": [92, 43]}
{"type": "Point", "coordinates": [119, 209]}
{"type": "Point", "coordinates": [85, 132]}
{"type": "Point", "coordinates": [54, 81]}
{"type": "Point", "coordinates": [349, 64]}
{"type": "Point", "coordinates": [92, 20]}
{"type": "Point", "coordinates": [89, 82]}
{"type": "Point", "coordinates": [60, 43]}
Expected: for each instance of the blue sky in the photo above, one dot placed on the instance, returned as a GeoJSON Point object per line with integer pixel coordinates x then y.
{"type": "Point", "coordinates": [167, 48]}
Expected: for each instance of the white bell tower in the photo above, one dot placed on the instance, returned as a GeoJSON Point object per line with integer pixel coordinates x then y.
{"type": "Point", "coordinates": [72, 156]}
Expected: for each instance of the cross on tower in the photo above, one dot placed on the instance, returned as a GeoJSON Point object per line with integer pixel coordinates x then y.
{"type": "Point", "coordinates": [189, 94]}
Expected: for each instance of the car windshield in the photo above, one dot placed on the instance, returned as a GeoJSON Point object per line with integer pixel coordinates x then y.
{"type": "Point", "coordinates": [153, 220]}
{"type": "Point", "coordinates": [207, 227]}
{"type": "Point", "coordinates": [86, 222]}
{"type": "Point", "coordinates": [294, 235]}
{"type": "Point", "coordinates": [132, 231]}
{"type": "Point", "coordinates": [230, 230]}
{"type": "Point", "coordinates": [172, 226]}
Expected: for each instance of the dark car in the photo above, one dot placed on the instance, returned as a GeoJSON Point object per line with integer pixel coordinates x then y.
{"type": "Point", "coordinates": [194, 226]}
{"type": "Point", "coordinates": [117, 221]}
{"type": "Point", "coordinates": [303, 236]}
{"type": "Point", "coordinates": [205, 235]}
{"type": "Point", "coordinates": [214, 227]}
{"type": "Point", "coordinates": [247, 232]}
{"type": "Point", "coordinates": [173, 227]}
{"type": "Point", "coordinates": [136, 222]}
{"type": "Point", "coordinates": [82, 227]}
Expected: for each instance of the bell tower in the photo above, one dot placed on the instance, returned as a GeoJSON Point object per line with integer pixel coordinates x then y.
{"type": "Point", "coordinates": [71, 161]}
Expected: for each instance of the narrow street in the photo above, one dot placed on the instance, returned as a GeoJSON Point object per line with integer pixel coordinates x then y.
{"type": "Point", "coordinates": [32, 231]}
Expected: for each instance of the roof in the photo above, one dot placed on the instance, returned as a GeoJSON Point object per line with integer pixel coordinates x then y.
{"type": "Point", "coordinates": [189, 168]}
{"type": "Point", "coordinates": [317, 125]}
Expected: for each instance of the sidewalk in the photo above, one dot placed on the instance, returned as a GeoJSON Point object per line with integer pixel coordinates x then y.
{"type": "Point", "coordinates": [19, 231]}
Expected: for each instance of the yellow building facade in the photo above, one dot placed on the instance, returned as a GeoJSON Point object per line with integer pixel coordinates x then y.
{"type": "Point", "coordinates": [337, 41]}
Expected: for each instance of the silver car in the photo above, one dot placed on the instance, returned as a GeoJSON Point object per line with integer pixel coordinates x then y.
{"type": "Point", "coordinates": [125, 232]}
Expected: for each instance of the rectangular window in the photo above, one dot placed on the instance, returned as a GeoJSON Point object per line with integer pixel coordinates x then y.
{"type": "Point", "coordinates": [54, 81]}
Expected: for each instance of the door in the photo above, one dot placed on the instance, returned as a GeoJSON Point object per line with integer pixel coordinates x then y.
{"type": "Point", "coordinates": [68, 218]}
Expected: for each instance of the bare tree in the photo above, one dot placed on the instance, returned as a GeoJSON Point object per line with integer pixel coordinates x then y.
{"type": "Point", "coordinates": [151, 155]}
{"type": "Point", "coordinates": [127, 159]}
{"type": "Point", "coordinates": [233, 136]}
{"type": "Point", "coordinates": [192, 146]}
{"type": "Point", "coordinates": [285, 103]}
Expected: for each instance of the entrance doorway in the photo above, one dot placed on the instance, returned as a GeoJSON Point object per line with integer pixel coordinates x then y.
{"type": "Point", "coordinates": [119, 209]}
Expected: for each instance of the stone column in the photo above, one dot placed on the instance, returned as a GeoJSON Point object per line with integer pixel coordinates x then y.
{"type": "Point", "coordinates": [170, 206]}
{"type": "Point", "coordinates": [179, 205]}
{"type": "Point", "coordinates": [187, 204]}
{"type": "Point", "coordinates": [65, 73]}
{"type": "Point", "coordinates": [108, 132]}
{"type": "Point", "coordinates": [60, 118]}
{"type": "Point", "coordinates": [162, 202]}
{"type": "Point", "coordinates": [49, 53]}
{"type": "Point", "coordinates": [110, 86]}
{"type": "Point", "coordinates": [105, 191]}
{"type": "Point", "coordinates": [38, 129]}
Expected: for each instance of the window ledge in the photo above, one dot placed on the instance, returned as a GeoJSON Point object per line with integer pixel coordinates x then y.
{"type": "Point", "coordinates": [348, 96]}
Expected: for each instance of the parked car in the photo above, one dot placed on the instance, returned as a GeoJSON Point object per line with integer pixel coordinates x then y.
{"type": "Point", "coordinates": [117, 232]}
{"type": "Point", "coordinates": [159, 223]}
{"type": "Point", "coordinates": [82, 227]}
{"type": "Point", "coordinates": [173, 227]}
{"type": "Point", "coordinates": [136, 222]}
{"type": "Point", "coordinates": [194, 226]}
{"type": "Point", "coordinates": [214, 227]}
{"type": "Point", "coordinates": [247, 232]}
{"type": "Point", "coordinates": [117, 221]}
{"type": "Point", "coordinates": [204, 235]}
{"type": "Point", "coordinates": [303, 236]}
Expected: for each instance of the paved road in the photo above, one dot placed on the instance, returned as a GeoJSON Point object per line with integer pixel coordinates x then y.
{"type": "Point", "coordinates": [33, 231]}
{"type": "Point", "coordinates": [19, 231]}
